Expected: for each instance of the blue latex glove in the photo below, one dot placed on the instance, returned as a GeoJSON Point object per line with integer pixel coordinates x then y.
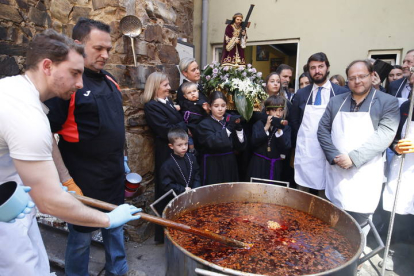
{"type": "Point", "coordinates": [122, 214]}
{"type": "Point", "coordinates": [127, 170]}
{"type": "Point", "coordinates": [28, 208]}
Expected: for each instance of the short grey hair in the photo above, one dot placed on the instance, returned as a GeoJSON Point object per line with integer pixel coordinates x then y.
{"type": "Point", "coordinates": [185, 62]}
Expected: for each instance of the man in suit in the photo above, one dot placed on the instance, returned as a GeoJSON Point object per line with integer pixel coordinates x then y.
{"type": "Point", "coordinates": [354, 131]}
{"type": "Point", "coordinates": [401, 88]}
{"type": "Point", "coordinates": [285, 73]}
{"type": "Point", "coordinates": [308, 107]}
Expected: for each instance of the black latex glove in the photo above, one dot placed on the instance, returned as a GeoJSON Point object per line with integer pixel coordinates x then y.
{"type": "Point", "coordinates": [276, 122]}
{"type": "Point", "coordinates": [231, 122]}
{"type": "Point", "coordinates": [230, 126]}
{"type": "Point", "coordinates": [238, 127]}
{"type": "Point", "coordinates": [233, 118]}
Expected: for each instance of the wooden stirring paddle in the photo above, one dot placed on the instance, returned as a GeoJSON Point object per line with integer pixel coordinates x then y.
{"type": "Point", "coordinates": [165, 222]}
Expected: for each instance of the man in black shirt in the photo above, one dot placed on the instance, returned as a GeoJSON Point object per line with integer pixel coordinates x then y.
{"type": "Point", "coordinates": [92, 137]}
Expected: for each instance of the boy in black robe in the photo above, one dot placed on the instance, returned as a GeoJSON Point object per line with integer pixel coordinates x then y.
{"type": "Point", "coordinates": [271, 141]}
{"type": "Point", "coordinates": [180, 171]}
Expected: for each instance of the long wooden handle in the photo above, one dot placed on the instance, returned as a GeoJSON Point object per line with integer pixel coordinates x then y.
{"type": "Point", "coordinates": [164, 222]}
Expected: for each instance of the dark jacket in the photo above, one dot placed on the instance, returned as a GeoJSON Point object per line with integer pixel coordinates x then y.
{"type": "Point", "coordinates": [395, 87]}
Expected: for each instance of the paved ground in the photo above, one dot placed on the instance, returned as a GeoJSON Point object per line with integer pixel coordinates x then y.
{"type": "Point", "coordinates": [148, 259]}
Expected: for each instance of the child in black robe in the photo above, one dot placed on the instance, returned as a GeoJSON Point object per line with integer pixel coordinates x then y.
{"type": "Point", "coordinates": [271, 140]}
{"type": "Point", "coordinates": [180, 171]}
{"type": "Point", "coordinates": [219, 136]}
{"type": "Point", "coordinates": [193, 108]}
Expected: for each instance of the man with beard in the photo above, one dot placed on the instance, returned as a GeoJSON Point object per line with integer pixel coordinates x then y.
{"type": "Point", "coordinates": [285, 73]}
{"type": "Point", "coordinates": [308, 107]}
{"type": "Point", "coordinates": [401, 88]}
{"type": "Point", "coordinates": [354, 132]}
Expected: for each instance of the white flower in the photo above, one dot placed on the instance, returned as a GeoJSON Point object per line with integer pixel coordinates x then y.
{"type": "Point", "coordinates": [215, 71]}
{"type": "Point", "coordinates": [208, 77]}
{"type": "Point", "coordinates": [226, 68]}
{"type": "Point", "coordinates": [259, 74]}
{"type": "Point", "coordinates": [249, 65]}
{"type": "Point", "coordinates": [254, 70]}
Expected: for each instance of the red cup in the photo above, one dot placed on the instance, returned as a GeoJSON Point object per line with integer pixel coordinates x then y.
{"type": "Point", "coordinates": [132, 184]}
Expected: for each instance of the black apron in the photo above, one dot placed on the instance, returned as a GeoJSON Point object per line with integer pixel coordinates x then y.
{"type": "Point", "coordinates": [97, 164]}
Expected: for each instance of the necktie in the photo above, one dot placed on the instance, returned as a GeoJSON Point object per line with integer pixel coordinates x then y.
{"type": "Point", "coordinates": [318, 99]}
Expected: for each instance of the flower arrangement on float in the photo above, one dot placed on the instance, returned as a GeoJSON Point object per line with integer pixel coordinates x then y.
{"type": "Point", "coordinates": [243, 86]}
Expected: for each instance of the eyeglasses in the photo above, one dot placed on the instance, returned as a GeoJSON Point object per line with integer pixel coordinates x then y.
{"type": "Point", "coordinates": [360, 77]}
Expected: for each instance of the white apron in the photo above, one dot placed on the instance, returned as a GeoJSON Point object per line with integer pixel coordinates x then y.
{"type": "Point", "coordinates": [310, 161]}
{"type": "Point", "coordinates": [356, 190]}
{"type": "Point", "coordinates": [22, 250]}
{"type": "Point", "coordinates": [405, 204]}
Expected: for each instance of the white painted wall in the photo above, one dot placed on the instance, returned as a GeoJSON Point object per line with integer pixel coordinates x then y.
{"type": "Point", "coordinates": [344, 29]}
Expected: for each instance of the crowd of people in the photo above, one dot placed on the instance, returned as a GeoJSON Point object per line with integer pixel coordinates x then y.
{"type": "Point", "coordinates": [327, 139]}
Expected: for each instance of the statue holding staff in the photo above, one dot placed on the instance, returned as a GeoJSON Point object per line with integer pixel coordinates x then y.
{"type": "Point", "coordinates": [235, 39]}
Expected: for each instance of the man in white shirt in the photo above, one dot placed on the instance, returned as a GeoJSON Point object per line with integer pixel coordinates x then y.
{"type": "Point", "coordinates": [54, 66]}
{"type": "Point", "coordinates": [309, 105]}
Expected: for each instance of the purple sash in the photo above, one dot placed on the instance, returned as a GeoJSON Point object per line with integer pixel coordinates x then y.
{"type": "Point", "coordinates": [187, 115]}
{"type": "Point", "coordinates": [272, 163]}
{"type": "Point", "coordinates": [205, 162]}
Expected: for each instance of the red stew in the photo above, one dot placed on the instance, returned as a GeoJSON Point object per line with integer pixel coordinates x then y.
{"type": "Point", "coordinates": [300, 244]}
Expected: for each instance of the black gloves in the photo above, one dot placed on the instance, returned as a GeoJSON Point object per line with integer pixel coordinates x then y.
{"type": "Point", "coordinates": [231, 123]}
{"type": "Point", "coordinates": [277, 123]}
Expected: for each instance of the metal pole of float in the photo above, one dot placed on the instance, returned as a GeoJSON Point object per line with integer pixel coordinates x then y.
{"type": "Point", "coordinates": [390, 227]}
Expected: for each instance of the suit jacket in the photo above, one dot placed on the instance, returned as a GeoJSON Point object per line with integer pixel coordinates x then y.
{"type": "Point", "coordinates": [299, 103]}
{"type": "Point", "coordinates": [396, 87]}
{"type": "Point", "coordinates": [385, 116]}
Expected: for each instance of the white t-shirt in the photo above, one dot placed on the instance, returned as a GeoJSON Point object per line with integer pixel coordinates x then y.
{"type": "Point", "coordinates": [24, 128]}
{"type": "Point", "coordinates": [24, 135]}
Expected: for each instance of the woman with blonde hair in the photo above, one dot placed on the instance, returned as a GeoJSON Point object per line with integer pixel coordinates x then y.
{"type": "Point", "coordinates": [161, 116]}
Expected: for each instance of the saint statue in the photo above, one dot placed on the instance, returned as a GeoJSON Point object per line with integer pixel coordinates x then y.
{"type": "Point", "coordinates": [234, 43]}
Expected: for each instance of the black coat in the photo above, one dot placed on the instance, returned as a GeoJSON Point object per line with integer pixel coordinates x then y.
{"type": "Point", "coordinates": [219, 162]}
{"type": "Point", "coordinates": [259, 166]}
{"type": "Point", "coordinates": [396, 87]}
{"type": "Point", "coordinates": [172, 176]}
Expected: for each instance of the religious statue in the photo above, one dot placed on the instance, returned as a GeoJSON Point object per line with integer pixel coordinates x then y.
{"type": "Point", "coordinates": [235, 39]}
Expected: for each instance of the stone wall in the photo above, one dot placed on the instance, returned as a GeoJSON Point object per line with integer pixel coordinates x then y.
{"type": "Point", "coordinates": [163, 23]}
